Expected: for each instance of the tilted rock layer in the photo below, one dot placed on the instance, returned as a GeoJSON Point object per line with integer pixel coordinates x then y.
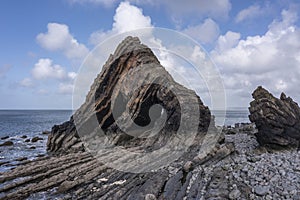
{"type": "Point", "coordinates": [131, 80]}
{"type": "Point", "coordinates": [277, 120]}
{"type": "Point", "coordinates": [134, 79]}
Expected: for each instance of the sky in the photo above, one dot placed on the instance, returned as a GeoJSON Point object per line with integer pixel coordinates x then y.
{"type": "Point", "coordinates": [43, 43]}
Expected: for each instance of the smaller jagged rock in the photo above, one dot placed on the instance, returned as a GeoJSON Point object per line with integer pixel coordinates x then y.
{"type": "Point", "coordinates": [7, 143]}
{"type": "Point", "coordinates": [24, 136]}
{"type": "Point", "coordinates": [261, 190]}
{"type": "Point", "coordinates": [277, 120]}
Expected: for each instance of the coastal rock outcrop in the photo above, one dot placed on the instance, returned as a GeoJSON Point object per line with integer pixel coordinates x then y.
{"type": "Point", "coordinates": [135, 106]}
{"type": "Point", "coordinates": [133, 82]}
{"type": "Point", "coordinates": [277, 120]}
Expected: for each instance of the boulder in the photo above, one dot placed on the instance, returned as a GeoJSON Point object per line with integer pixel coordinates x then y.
{"type": "Point", "coordinates": [5, 137]}
{"type": "Point", "coordinates": [35, 139]}
{"type": "Point", "coordinates": [7, 143]}
{"type": "Point", "coordinates": [277, 120]}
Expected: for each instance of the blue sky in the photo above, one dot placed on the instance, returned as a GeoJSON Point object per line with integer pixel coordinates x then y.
{"type": "Point", "coordinates": [43, 43]}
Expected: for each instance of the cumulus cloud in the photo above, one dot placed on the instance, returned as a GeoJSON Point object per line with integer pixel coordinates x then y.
{"type": "Point", "coordinates": [207, 32]}
{"type": "Point", "coordinates": [126, 18]}
{"type": "Point", "coordinates": [248, 13]}
{"type": "Point", "coordinates": [26, 82]}
{"type": "Point", "coordinates": [271, 59]}
{"type": "Point", "coordinates": [45, 68]}
{"type": "Point", "coordinates": [227, 41]}
{"type": "Point", "coordinates": [58, 38]}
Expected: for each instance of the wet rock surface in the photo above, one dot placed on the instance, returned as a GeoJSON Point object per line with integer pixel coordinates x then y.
{"type": "Point", "coordinates": [277, 120]}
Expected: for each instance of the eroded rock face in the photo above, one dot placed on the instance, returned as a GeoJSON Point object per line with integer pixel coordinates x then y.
{"type": "Point", "coordinates": [277, 120]}
{"type": "Point", "coordinates": [116, 112]}
{"type": "Point", "coordinates": [131, 82]}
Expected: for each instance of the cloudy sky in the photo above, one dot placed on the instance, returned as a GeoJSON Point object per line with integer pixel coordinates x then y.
{"type": "Point", "coordinates": [43, 43]}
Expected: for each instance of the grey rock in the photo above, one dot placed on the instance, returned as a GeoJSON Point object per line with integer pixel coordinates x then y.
{"type": "Point", "coordinates": [234, 194]}
{"type": "Point", "coordinates": [261, 190]}
{"type": "Point", "coordinates": [150, 197]}
{"type": "Point", "coordinates": [277, 120]}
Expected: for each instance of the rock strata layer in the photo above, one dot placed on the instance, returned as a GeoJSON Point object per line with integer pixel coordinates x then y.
{"type": "Point", "coordinates": [277, 120]}
{"type": "Point", "coordinates": [134, 105]}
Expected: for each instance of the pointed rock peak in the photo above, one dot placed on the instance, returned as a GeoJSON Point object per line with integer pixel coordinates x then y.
{"type": "Point", "coordinates": [283, 96]}
{"type": "Point", "coordinates": [277, 120]}
{"type": "Point", "coordinates": [261, 92]}
{"type": "Point", "coordinates": [135, 101]}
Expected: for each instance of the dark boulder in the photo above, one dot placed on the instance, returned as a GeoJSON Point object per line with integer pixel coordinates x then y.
{"type": "Point", "coordinates": [277, 120]}
{"type": "Point", "coordinates": [7, 143]}
{"type": "Point", "coordinates": [5, 137]}
{"type": "Point", "coordinates": [35, 139]}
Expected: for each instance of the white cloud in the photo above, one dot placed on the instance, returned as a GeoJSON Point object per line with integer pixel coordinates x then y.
{"type": "Point", "coordinates": [227, 41]}
{"type": "Point", "coordinates": [271, 60]}
{"type": "Point", "coordinates": [207, 32]}
{"type": "Point", "coordinates": [126, 18]}
{"type": "Point", "coordinates": [26, 82]}
{"type": "Point", "coordinates": [248, 13]}
{"type": "Point", "coordinates": [58, 38]}
{"type": "Point", "coordinates": [44, 69]}
{"type": "Point", "coordinates": [129, 17]}
{"type": "Point", "coordinates": [72, 75]}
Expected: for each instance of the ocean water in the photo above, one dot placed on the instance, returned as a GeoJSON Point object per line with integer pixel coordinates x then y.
{"type": "Point", "coordinates": [230, 117]}
{"type": "Point", "coordinates": [31, 123]}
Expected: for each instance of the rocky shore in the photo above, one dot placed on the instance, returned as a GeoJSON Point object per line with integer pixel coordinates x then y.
{"type": "Point", "coordinates": [100, 153]}
{"type": "Point", "coordinates": [249, 172]}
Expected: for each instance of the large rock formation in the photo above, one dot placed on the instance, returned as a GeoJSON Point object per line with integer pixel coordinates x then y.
{"type": "Point", "coordinates": [116, 115]}
{"type": "Point", "coordinates": [131, 82]}
{"type": "Point", "coordinates": [277, 120]}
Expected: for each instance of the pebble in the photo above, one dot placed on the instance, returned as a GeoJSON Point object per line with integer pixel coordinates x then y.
{"type": "Point", "coordinates": [150, 197]}
{"type": "Point", "coordinates": [261, 190]}
{"type": "Point", "coordinates": [267, 175]}
{"type": "Point", "coordinates": [234, 194]}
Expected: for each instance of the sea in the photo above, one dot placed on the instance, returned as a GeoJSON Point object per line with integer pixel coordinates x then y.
{"type": "Point", "coordinates": [22, 125]}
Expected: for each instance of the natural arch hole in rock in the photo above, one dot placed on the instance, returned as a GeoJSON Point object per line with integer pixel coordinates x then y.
{"type": "Point", "coordinates": [148, 110]}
